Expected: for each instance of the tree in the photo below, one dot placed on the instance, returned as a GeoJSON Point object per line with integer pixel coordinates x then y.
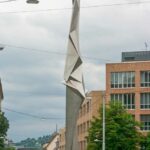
{"type": "Point", "coordinates": [4, 125]}
{"type": "Point", "coordinates": [121, 130]}
{"type": "Point", "coordinates": [9, 148]}
{"type": "Point", "coordinates": [145, 142]}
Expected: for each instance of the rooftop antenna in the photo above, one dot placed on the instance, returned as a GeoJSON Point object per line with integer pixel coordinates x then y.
{"type": "Point", "coordinates": [56, 128]}
{"type": "Point", "coordinates": [146, 46]}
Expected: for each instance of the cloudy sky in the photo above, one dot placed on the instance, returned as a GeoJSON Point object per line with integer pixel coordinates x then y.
{"type": "Point", "coordinates": [32, 63]}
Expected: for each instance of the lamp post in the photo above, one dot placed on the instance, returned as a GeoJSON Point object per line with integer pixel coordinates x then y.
{"type": "Point", "coordinates": [1, 90]}
{"type": "Point", "coordinates": [103, 144]}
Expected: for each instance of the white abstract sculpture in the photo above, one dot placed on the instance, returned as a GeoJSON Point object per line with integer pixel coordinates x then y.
{"type": "Point", "coordinates": [73, 80]}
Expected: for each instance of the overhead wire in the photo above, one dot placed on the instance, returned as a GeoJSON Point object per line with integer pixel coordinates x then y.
{"type": "Point", "coordinates": [53, 52]}
{"type": "Point", "coordinates": [82, 7]}
{"type": "Point", "coordinates": [6, 1]}
{"type": "Point", "coordinates": [31, 115]}
{"type": "Point", "coordinates": [58, 53]}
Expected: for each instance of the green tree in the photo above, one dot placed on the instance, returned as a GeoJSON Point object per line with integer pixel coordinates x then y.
{"type": "Point", "coordinates": [121, 130]}
{"type": "Point", "coordinates": [9, 148]}
{"type": "Point", "coordinates": [4, 125]}
{"type": "Point", "coordinates": [145, 142]}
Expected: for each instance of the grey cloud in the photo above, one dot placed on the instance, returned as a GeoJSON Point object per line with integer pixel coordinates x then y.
{"type": "Point", "coordinates": [32, 80]}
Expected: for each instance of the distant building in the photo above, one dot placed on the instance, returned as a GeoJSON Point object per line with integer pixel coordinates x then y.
{"type": "Point", "coordinates": [89, 109]}
{"type": "Point", "coordinates": [9, 143]}
{"type": "Point", "coordinates": [53, 144]}
{"type": "Point", "coordinates": [62, 134]}
{"type": "Point", "coordinates": [29, 148]}
{"type": "Point", "coordinates": [136, 56]}
{"type": "Point", "coordinates": [19, 147]}
{"type": "Point", "coordinates": [128, 82]}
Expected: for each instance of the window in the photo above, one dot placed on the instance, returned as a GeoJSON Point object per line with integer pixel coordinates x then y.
{"type": "Point", "coordinates": [145, 79]}
{"type": "Point", "coordinates": [78, 129]}
{"type": "Point", "coordinates": [80, 112]}
{"type": "Point", "coordinates": [84, 109]}
{"type": "Point", "coordinates": [145, 101]}
{"type": "Point", "coordinates": [122, 79]}
{"type": "Point", "coordinates": [127, 100]}
{"type": "Point", "coordinates": [145, 120]}
{"type": "Point", "coordinates": [84, 127]}
{"type": "Point", "coordinates": [88, 107]}
{"type": "Point", "coordinates": [88, 125]}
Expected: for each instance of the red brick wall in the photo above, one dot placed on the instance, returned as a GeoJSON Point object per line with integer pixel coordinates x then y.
{"type": "Point", "coordinates": [123, 67]}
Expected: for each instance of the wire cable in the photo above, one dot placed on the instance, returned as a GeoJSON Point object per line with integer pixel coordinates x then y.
{"type": "Point", "coordinates": [82, 7]}
{"type": "Point", "coordinates": [31, 115]}
{"type": "Point", "coordinates": [6, 1]}
{"type": "Point", "coordinates": [54, 52]}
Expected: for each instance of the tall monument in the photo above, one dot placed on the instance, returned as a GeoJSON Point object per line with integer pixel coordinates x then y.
{"type": "Point", "coordinates": [75, 93]}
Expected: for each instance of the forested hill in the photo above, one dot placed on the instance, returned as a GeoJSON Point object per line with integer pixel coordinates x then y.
{"type": "Point", "coordinates": [32, 142]}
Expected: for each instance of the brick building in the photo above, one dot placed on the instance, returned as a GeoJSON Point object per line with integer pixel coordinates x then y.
{"type": "Point", "coordinates": [128, 82]}
{"type": "Point", "coordinates": [62, 134]}
{"type": "Point", "coordinates": [89, 109]}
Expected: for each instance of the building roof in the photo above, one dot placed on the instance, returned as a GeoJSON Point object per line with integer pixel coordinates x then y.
{"type": "Point", "coordinates": [136, 56]}
{"type": "Point", "coordinates": [51, 139]}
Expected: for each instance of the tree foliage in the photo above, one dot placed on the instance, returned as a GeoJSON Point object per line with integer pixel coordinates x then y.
{"type": "Point", "coordinates": [145, 142]}
{"type": "Point", "coordinates": [4, 125]}
{"type": "Point", "coordinates": [121, 130]}
{"type": "Point", "coordinates": [9, 148]}
{"type": "Point", "coordinates": [32, 142]}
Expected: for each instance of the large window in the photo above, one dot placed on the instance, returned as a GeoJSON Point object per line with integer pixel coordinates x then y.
{"type": "Point", "coordinates": [122, 79]}
{"type": "Point", "coordinates": [145, 79]}
{"type": "Point", "coordinates": [127, 100]}
{"type": "Point", "coordinates": [145, 101]}
{"type": "Point", "coordinates": [145, 120]}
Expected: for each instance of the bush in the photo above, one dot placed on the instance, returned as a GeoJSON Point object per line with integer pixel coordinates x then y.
{"type": "Point", "coordinates": [92, 146]}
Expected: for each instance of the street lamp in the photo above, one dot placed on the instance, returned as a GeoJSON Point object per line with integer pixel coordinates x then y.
{"type": "Point", "coordinates": [1, 90]}
{"type": "Point", "coordinates": [32, 1]}
{"type": "Point", "coordinates": [103, 144]}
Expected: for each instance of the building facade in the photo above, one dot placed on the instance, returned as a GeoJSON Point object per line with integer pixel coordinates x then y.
{"type": "Point", "coordinates": [128, 82]}
{"type": "Point", "coordinates": [89, 109]}
{"type": "Point", "coordinates": [53, 144]}
{"type": "Point", "coordinates": [62, 134]}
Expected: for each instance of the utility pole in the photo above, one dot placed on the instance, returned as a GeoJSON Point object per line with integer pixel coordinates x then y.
{"type": "Point", "coordinates": [56, 128]}
{"type": "Point", "coordinates": [1, 89]}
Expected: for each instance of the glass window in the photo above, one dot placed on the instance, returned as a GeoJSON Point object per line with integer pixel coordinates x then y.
{"type": "Point", "coordinates": [125, 79]}
{"type": "Point", "coordinates": [88, 107]}
{"type": "Point", "coordinates": [145, 79]}
{"type": "Point", "coordinates": [112, 80]}
{"type": "Point", "coordinates": [129, 80]}
{"type": "Point", "coordinates": [127, 100]}
{"type": "Point", "coordinates": [116, 80]}
{"type": "Point", "coordinates": [145, 101]}
{"type": "Point", "coordinates": [145, 120]}
{"type": "Point", "coordinates": [122, 79]}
